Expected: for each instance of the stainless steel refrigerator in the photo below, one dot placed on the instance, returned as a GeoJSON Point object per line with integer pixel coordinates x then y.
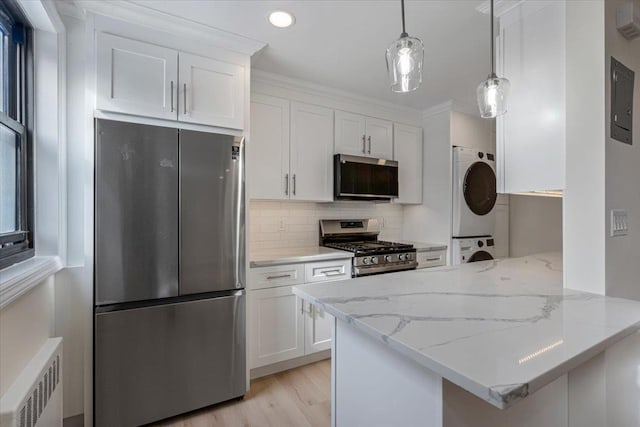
{"type": "Point", "coordinates": [169, 324]}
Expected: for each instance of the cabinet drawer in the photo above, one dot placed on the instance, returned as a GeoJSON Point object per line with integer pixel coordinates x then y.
{"type": "Point", "coordinates": [280, 275]}
{"type": "Point", "coordinates": [327, 270]}
{"type": "Point", "coordinates": [431, 259]}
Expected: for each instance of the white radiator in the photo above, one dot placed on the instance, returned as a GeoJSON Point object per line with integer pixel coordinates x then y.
{"type": "Point", "coordinates": [35, 398]}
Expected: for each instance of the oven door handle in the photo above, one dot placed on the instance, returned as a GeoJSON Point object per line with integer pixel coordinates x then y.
{"type": "Point", "coordinates": [363, 271]}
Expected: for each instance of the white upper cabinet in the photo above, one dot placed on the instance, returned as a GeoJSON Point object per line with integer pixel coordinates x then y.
{"type": "Point", "coordinates": [268, 148]}
{"type": "Point", "coordinates": [210, 92]}
{"type": "Point", "coordinates": [407, 151]}
{"type": "Point", "coordinates": [379, 138]}
{"type": "Point", "coordinates": [350, 134]}
{"type": "Point", "coordinates": [531, 135]}
{"type": "Point", "coordinates": [290, 151]}
{"type": "Point", "coordinates": [359, 135]}
{"type": "Point", "coordinates": [147, 80]}
{"type": "Point", "coordinates": [311, 161]}
{"type": "Point", "coordinates": [136, 78]}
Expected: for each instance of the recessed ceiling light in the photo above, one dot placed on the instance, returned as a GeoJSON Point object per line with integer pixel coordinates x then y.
{"type": "Point", "coordinates": [281, 19]}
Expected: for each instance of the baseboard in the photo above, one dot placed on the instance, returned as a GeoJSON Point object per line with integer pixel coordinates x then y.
{"type": "Point", "coordinates": [75, 421]}
{"type": "Point", "coordinates": [289, 364]}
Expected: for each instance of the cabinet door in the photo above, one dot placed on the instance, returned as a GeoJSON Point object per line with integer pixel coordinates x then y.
{"type": "Point", "coordinates": [379, 138]}
{"type": "Point", "coordinates": [311, 153]}
{"type": "Point", "coordinates": [318, 329]}
{"type": "Point", "coordinates": [350, 134]}
{"type": "Point", "coordinates": [277, 326]}
{"type": "Point", "coordinates": [268, 149]}
{"type": "Point", "coordinates": [531, 136]}
{"type": "Point", "coordinates": [407, 150]}
{"type": "Point", "coordinates": [211, 92]}
{"type": "Point", "coordinates": [136, 78]}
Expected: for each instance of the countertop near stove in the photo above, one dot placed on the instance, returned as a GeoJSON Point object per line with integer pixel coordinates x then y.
{"type": "Point", "coordinates": [425, 247]}
{"type": "Point", "coordinates": [282, 256]}
{"type": "Point", "coordinates": [500, 329]}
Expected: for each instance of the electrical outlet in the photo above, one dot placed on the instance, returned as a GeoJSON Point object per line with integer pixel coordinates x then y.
{"type": "Point", "coordinates": [619, 222]}
{"type": "Point", "coordinates": [282, 226]}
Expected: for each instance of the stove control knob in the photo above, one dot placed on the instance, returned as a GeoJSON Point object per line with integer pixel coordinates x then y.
{"type": "Point", "coordinates": [374, 260]}
{"type": "Point", "coordinates": [387, 258]}
{"type": "Point", "coordinates": [365, 260]}
{"type": "Point", "coordinates": [400, 257]}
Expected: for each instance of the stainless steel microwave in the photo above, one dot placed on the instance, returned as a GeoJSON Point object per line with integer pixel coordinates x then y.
{"type": "Point", "coordinates": [364, 178]}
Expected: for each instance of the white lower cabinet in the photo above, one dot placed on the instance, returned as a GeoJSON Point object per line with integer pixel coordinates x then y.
{"type": "Point", "coordinates": [281, 325]}
{"type": "Point", "coordinates": [318, 327]}
{"type": "Point", "coordinates": [277, 326]}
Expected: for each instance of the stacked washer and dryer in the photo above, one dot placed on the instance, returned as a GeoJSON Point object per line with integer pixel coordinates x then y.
{"type": "Point", "coordinates": [474, 199]}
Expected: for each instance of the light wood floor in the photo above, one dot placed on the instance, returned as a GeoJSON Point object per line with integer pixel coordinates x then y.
{"type": "Point", "coordinates": [299, 397]}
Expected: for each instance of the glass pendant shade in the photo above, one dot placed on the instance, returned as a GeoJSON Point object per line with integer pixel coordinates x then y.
{"type": "Point", "coordinates": [405, 57]}
{"type": "Point", "coordinates": [492, 96]}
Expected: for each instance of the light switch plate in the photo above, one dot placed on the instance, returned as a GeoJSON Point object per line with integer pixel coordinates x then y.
{"type": "Point", "coordinates": [619, 222]}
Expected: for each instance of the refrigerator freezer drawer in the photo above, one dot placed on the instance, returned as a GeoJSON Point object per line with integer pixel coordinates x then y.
{"type": "Point", "coordinates": [155, 362]}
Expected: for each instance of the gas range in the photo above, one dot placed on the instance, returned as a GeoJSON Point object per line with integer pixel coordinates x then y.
{"type": "Point", "coordinates": [371, 256]}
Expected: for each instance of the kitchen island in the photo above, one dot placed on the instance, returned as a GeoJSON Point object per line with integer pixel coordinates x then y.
{"type": "Point", "coordinates": [497, 343]}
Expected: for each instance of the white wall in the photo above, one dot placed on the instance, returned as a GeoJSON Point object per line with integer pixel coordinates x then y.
{"type": "Point", "coordinates": [301, 221]}
{"type": "Point", "coordinates": [584, 210]}
{"type": "Point", "coordinates": [431, 221]}
{"type": "Point", "coordinates": [472, 132]}
{"type": "Point", "coordinates": [443, 128]}
{"type": "Point", "coordinates": [535, 225]}
{"type": "Point", "coordinates": [623, 170]}
{"type": "Point", "coordinates": [25, 325]}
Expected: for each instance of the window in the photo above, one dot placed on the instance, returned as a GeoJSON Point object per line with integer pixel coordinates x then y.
{"type": "Point", "coordinates": [16, 177]}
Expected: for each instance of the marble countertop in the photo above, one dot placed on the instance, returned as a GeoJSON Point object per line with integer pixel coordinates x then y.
{"type": "Point", "coordinates": [500, 329]}
{"type": "Point", "coordinates": [270, 257]}
{"type": "Point", "coordinates": [425, 247]}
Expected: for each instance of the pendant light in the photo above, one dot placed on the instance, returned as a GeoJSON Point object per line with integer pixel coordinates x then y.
{"type": "Point", "coordinates": [404, 61]}
{"type": "Point", "coordinates": [492, 93]}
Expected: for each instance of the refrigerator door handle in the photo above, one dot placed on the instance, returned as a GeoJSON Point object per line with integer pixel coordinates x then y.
{"type": "Point", "coordinates": [239, 257]}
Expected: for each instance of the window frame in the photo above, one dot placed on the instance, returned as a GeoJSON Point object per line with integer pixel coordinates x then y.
{"type": "Point", "coordinates": [18, 245]}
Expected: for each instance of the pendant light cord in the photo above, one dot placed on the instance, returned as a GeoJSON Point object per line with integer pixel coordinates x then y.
{"type": "Point", "coordinates": [492, 42]}
{"type": "Point", "coordinates": [404, 32]}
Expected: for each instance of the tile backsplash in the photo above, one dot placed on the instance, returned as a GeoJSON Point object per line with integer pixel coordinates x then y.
{"type": "Point", "coordinates": [296, 224]}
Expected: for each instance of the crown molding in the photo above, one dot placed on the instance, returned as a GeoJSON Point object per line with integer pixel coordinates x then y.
{"type": "Point", "coordinates": [500, 7]}
{"type": "Point", "coordinates": [449, 106]}
{"type": "Point", "coordinates": [148, 17]}
{"type": "Point", "coordinates": [310, 88]}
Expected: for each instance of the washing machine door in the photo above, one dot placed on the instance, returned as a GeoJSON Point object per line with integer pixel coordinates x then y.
{"type": "Point", "coordinates": [480, 256]}
{"type": "Point", "coordinates": [480, 188]}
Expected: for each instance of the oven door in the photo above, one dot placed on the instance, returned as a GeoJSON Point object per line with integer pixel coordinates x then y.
{"type": "Point", "coordinates": [364, 178]}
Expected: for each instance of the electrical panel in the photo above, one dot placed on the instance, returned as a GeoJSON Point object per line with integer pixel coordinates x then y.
{"type": "Point", "coordinates": [621, 102]}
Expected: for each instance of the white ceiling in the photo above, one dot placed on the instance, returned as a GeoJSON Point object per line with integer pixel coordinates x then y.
{"type": "Point", "coordinates": [342, 43]}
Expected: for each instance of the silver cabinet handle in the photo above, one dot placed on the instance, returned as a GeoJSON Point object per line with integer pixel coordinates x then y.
{"type": "Point", "coordinates": [369, 144]}
{"type": "Point", "coordinates": [364, 144]}
{"type": "Point", "coordinates": [433, 259]}
{"type": "Point", "coordinates": [302, 307]}
{"type": "Point", "coordinates": [282, 276]}
{"type": "Point", "coordinates": [335, 272]}
{"type": "Point", "coordinates": [172, 96]}
{"type": "Point", "coordinates": [185, 98]}
{"type": "Point", "coordinates": [294, 184]}
{"type": "Point", "coordinates": [286, 184]}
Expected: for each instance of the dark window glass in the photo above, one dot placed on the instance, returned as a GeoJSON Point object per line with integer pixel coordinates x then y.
{"type": "Point", "coordinates": [16, 219]}
{"type": "Point", "coordinates": [480, 188]}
